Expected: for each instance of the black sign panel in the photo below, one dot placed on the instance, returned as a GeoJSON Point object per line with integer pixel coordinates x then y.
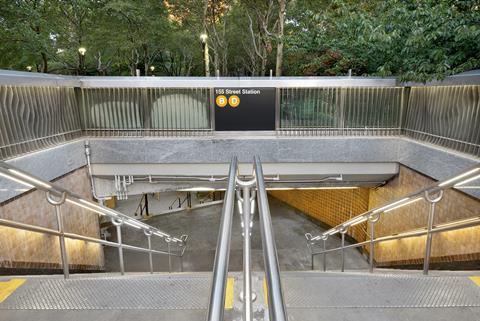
{"type": "Point", "coordinates": [244, 109]}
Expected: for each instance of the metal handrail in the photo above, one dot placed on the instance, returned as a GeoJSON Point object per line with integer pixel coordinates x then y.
{"type": "Point", "coordinates": [222, 253]}
{"type": "Point", "coordinates": [246, 209]}
{"type": "Point", "coordinates": [57, 196]}
{"type": "Point", "coordinates": [432, 194]}
{"type": "Point", "coordinates": [276, 302]}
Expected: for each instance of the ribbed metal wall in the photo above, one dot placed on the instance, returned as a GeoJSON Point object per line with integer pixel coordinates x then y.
{"type": "Point", "coordinates": [448, 116]}
{"type": "Point", "coordinates": [341, 111]}
{"type": "Point", "coordinates": [33, 118]}
{"type": "Point", "coordinates": [145, 111]}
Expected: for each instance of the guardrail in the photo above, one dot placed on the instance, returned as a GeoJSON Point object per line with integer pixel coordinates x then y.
{"type": "Point", "coordinates": [37, 111]}
{"type": "Point", "coordinates": [246, 205]}
{"type": "Point", "coordinates": [56, 196]}
{"type": "Point", "coordinates": [33, 118]}
{"type": "Point", "coordinates": [222, 253]}
{"type": "Point", "coordinates": [276, 303]}
{"type": "Point", "coordinates": [432, 194]}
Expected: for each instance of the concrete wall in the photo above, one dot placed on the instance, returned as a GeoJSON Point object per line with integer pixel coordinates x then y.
{"type": "Point", "coordinates": [436, 162]}
{"type": "Point", "coordinates": [330, 207]}
{"type": "Point", "coordinates": [461, 245]}
{"type": "Point", "coordinates": [29, 252]}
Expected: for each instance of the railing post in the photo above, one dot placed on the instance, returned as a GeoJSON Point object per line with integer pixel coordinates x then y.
{"type": "Point", "coordinates": [372, 219]}
{"type": "Point", "coordinates": [431, 216]}
{"type": "Point", "coordinates": [118, 224]}
{"type": "Point", "coordinates": [169, 255]}
{"type": "Point", "coordinates": [61, 237]}
{"type": "Point", "coordinates": [148, 234]}
{"type": "Point", "coordinates": [247, 277]}
{"type": "Point", "coordinates": [324, 255]}
{"type": "Point", "coordinates": [184, 239]}
{"type": "Point", "coordinates": [342, 232]}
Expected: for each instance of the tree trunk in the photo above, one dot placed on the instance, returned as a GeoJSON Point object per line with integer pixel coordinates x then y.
{"type": "Point", "coordinates": [264, 61]}
{"type": "Point", "coordinates": [281, 22]}
{"type": "Point", "coordinates": [44, 62]}
{"type": "Point", "coordinates": [145, 58]}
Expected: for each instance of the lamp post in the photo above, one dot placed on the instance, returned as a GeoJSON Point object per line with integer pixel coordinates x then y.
{"type": "Point", "coordinates": [29, 68]}
{"type": "Point", "coordinates": [152, 69]}
{"type": "Point", "coordinates": [81, 59]}
{"type": "Point", "coordinates": [206, 57]}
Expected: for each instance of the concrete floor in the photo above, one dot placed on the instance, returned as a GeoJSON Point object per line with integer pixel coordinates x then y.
{"type": "Point", "coordinates": [202, 227]}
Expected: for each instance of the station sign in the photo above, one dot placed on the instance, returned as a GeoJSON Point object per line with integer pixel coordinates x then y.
{"type": "Point", "coordinates": [244, 109]}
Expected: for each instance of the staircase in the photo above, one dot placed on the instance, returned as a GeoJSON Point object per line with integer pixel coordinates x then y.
{"type": "Point", "coordinates": [386, 295]}
{"type": "Point", "coordinates": [270, 295]}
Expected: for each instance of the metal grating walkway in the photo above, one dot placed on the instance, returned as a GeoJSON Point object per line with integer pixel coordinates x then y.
{"type": "Point", "coordinates": [304, 290]}
{"type": "Point", "coordinates": [190, 291]}
{"type": "Point", "coordinates": [173, 292]}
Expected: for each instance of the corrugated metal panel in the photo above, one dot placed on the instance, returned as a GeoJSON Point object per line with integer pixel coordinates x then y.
{"type": "Point", "coordinates": [33, 118]}
{"type": "Point", "coordinates": [448, 116]}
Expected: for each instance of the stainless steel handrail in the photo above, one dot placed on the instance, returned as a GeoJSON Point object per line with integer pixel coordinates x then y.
{"type": "Point", "coordinates": [57, 196]}
{"type": "Point", "coordinates": [247, 209]}
{"type": "Point", "coordinates": [432, 194]}
{"type": "Point", "coordinates": [45, 230]}
{"type": "Point", "coordinates": [276, 303]}
{"type": "Point", "coordinates": [222, 253]}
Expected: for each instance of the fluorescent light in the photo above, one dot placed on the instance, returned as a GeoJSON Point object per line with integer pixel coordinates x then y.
{"type": "Point", "coordinates": [468, 220]}
{"type": "Point", "coordinates": [459, 177]}
{"type": "Point", "coordinates": [197, 189]}
{"type": "Point", "coordinates": [309, 188]}
{"type": "Point", "coordinates": [279, 188]}
{"type": "Point", "coordinates": [17, 180]}
{"type": "Point", "coordinates": [85, 207]}
{"type": "Point", "coordinates": [30, 178]}
{"type": "Point", "coordinates": [15, 189]}
{"type": "Point", "coordinates": [468, 180]}
{"type": "Point", "coordinates": [468, 187]}
{"type": "Point", "coordinates": [383, 208]}
{"type": "Point", "coordinates": [401, 205]}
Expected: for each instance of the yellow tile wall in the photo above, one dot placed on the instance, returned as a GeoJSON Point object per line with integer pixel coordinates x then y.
{"type": "Point", "coordinates": [461, 245]}
{"type": "Point", "coordinates": [24, 249]}
{"type": "Point", "coordinates": [331, 207]}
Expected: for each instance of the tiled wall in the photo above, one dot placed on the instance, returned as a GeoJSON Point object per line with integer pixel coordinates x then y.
{"type": "Point", "coordinates": [331, 207]}
{"type": "Point", "coordinates": [461, 245]}
{"type": "Point", "coordinates": [28, 250]}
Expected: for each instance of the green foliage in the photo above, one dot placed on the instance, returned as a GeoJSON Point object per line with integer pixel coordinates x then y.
{"type": "Point", "coordinates": [415, 40]}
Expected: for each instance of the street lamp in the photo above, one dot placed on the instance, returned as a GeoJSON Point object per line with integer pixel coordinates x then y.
{"type": "Point", "coordinates": [81, 59]}
{"type": "Point", "coordinates": [152, 69]}
{"type": "Point", "coordinates": [204, 38]}
{"type": "Point", "coordinates": [29, 68]}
